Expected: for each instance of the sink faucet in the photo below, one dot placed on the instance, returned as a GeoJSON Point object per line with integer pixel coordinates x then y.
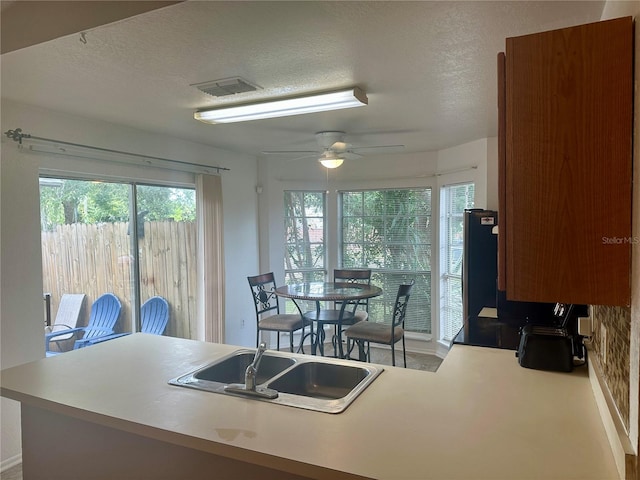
{"type": "Point", "coordinates": [250, 387]}
{"type": "Point", "coordinates": [251, 372]}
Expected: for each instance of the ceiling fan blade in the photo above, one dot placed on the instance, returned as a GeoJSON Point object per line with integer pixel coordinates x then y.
{"type": "Point", "coordinates": [309, 155]}
{"type": "Point", "coordinates": [289, 152]}
{"type": "Point", "coordinates": [350, 155]}
{"type": "Point", "coordinates": [379, 148]}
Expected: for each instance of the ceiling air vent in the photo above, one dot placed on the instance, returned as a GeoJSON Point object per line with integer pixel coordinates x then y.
{"type": "Point", "coordinates": [226, 86]}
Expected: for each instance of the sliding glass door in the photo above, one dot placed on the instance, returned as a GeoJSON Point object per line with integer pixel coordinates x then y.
{"type": "Point", "coordinates": [91, 246]}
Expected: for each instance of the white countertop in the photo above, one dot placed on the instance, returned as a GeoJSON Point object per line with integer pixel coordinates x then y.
{"type": "Point", "coordinates": [481, 416]}
{"type": "Point", "coordinates": [488, 312]}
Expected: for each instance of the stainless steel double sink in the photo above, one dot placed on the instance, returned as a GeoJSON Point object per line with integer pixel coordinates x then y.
{"type": "Point", "coordinates": [312, 383]}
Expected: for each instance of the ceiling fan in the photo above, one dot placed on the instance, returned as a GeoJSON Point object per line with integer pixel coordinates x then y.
{"type": "Point", "coordinates": [333, 150]}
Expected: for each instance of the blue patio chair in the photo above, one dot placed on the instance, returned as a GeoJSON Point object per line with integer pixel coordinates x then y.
{"type": "Point", "coordinates": [102, 321]}
{"type": "Point", "coordinates": [154, 317]}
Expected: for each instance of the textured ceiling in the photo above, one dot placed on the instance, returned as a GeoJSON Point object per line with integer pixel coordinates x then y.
{"type": "Point", "coordinates": [36, 21]}
{"type": "Point", "coordinates": [429, 68]}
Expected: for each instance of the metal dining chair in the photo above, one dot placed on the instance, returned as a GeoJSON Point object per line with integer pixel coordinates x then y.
{"type": "Point", "coordinates": [268, 316]}
{"type": "Point", "coordinates": [362, 276]}
{"type": "Point", "coordinates": [355, 276]}
{"type": "Point", "coordinates": [382, 333]}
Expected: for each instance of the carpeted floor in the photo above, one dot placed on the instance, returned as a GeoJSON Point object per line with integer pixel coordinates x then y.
{"type": "Point", "coordinates": [415, 361]}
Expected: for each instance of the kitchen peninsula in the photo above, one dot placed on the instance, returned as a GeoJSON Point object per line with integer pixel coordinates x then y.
{"type": "Point", "coordinates": [108, 412]}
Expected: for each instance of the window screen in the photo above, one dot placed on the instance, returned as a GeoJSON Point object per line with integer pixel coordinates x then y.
{"type": "Point", "coordinates": [389, 231]}
{"type": "Point", "coordinates": [304, 231]}
{"type": "Point", "coordinates": [453, 200]}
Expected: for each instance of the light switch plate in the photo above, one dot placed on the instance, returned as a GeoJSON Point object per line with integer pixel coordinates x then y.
{"type": "Point", "coordinates": [603, 344]}
{"type": "Point", "coordinates": [584, 326]}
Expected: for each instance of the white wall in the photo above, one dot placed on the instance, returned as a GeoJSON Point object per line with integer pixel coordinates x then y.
{"type": "Point", "coordinates": [21, 306]}
{"type": "Point", "coordinates": [467, 163]}
{"type": "Point", "coordinates": [240, 250]}
{"type": "Point", "coordinates": [21, 339]}
{"type": "Point", "coordinates": [483, 154]}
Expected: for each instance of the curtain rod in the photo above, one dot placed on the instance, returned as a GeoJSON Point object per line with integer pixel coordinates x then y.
{"type": "Point", "coordinates": [18, 136]}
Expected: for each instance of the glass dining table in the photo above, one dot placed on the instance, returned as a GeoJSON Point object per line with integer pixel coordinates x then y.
{"type": "Point", "coordinates": [344, 293]}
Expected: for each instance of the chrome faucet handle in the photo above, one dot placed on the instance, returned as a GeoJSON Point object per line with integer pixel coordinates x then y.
{"type": "Point", "coordinates": [250, 375]}
{"type": "Point", "coordinates": [259, 353]}
{"type": "Point", "coordinates": [251, 372]}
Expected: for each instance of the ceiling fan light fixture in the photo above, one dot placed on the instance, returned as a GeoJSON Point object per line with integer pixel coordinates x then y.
{"type": "Point", "coordinates": [352, 97]}
{"type": "Point", "coordinates": [334, 162]}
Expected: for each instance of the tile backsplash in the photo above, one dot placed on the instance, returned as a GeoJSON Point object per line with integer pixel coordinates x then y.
{"type": "Point", "coordinates": [611, 340]}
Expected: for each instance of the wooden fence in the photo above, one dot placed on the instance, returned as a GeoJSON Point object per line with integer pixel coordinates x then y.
{"type": "Point", "coordinates": [95, 259]}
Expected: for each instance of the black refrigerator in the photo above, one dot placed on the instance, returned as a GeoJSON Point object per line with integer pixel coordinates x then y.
{"type": "Point", "coordinates": [479, 263]}
{"type": "Point", "coordinates": [500, 326]}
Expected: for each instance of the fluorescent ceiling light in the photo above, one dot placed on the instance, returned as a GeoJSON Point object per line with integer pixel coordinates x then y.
{"type": "Point", "coordinates": [331, 163]}
{"type": "Point", "coordinates": [353, 97]}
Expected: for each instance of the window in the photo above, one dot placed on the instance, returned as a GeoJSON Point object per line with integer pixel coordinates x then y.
{"type": "Point", "coordinates": [88, 246]}
{"type": "Point", "coordinates": [389, 231]}
{"type": "Point", "coordinates": [453, 201]}
{"type": "Point", "coordinates": [304, 227]}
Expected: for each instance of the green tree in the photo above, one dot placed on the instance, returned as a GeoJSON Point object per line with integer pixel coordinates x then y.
{"type": "Point", "coordinates": [387, 229]}
{"type": "Point", "coordinates": [304, 214]}
{"type": "Point", "coordinates": [64, 201]}
{"type": "Point", "coordinates": [164, 203]}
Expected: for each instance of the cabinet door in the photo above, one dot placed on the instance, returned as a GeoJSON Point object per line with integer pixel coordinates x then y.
{"type": "Point", "coordinates": [567, 164]}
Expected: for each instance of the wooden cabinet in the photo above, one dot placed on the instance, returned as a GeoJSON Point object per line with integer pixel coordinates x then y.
{"type": "Point", "coordinates": [565, 150]}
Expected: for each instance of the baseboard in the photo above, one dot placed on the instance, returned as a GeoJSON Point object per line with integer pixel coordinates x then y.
{"type": "Point", "coordinates": [616, 433]}
{"type": "Point", "coordinates": [425, 345]}
{"type": "Point", "coordinates": [10, 462]}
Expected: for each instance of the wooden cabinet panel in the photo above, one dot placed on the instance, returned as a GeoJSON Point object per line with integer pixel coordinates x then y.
{"type": "Point", "coordinates": [566, 168]}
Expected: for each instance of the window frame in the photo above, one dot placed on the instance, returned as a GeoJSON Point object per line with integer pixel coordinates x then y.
{"type": "Point", "coordinates": [445, 274]}
{"type": "Point", "coordinates": [391, 273]}
{"type": "Point", "coordinates": [305, 273]}
{"type": "Point", "coordinates": [133, 187]}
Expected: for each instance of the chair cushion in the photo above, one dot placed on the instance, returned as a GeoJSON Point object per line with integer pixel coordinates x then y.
{"type": "Point", "coordinates": [360, 316]}
{"type": "Point", "coordinates": [331, 317]}
{"type": "Point", "coordinates": [374, 332]}
{"type": "Point", "coordinates": [282, 322]}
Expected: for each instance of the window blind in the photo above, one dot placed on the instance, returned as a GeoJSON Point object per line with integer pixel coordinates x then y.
{"type": "Point", "coordinates": [454, 199]}
{"type": "Point", "coordinates": [389, 231]}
